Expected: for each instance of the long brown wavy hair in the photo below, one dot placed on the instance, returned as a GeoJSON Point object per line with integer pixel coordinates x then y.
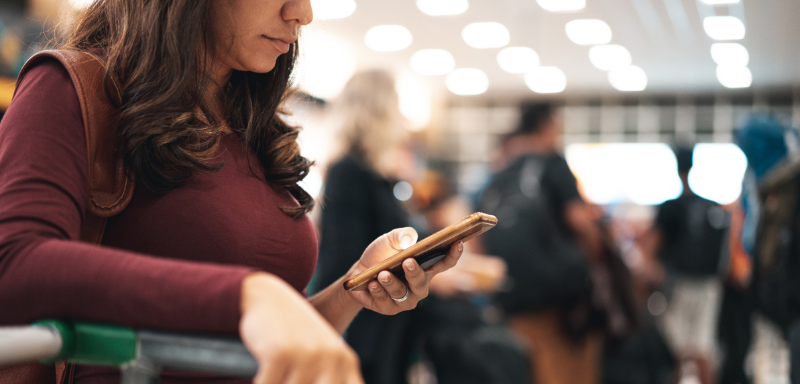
{"type": "Point", "coordinates": [155, 53]}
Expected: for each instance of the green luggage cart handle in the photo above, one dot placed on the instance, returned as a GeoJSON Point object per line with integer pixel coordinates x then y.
{"type": "Point", "coordinates": [140, 354]}
{"type": "Point", "coordinates": [95, 344]}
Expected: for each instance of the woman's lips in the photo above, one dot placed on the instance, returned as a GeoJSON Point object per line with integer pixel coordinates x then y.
{"type": "Point", "coordinates": [281, 45]}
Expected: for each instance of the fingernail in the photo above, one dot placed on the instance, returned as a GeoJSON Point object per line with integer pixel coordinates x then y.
{"type": "Point", "coordinates": [460, 246]}
{"type": "Point", "coordinates": [410, 265]}
{"type": "Point", "coordinates": [375, 288]}
{"type": "Point", "coordinates": [405, 242]}
{"type": "Point", "coordinates": [385, 279]}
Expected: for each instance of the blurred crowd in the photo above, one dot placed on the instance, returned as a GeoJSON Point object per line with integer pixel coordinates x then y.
{"type": "Point", "coordinates": [562, 291]}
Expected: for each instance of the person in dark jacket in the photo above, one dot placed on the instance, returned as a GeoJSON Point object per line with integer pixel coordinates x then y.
{"type": "Point", "coordinates": [547, 236]}
{"type": "Point", "coordinates": [689, 238]}
{"type": "Point", "coordinates": [358, 203]}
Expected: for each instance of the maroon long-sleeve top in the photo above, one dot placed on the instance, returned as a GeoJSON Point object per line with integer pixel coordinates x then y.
{"type": "Point", "coordinates": [173, 262]}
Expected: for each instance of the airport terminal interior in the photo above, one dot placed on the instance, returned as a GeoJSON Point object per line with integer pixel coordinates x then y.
{"type": "Point", "coordinates": [641, 157]}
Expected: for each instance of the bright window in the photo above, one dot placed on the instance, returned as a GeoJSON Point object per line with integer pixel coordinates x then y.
{"type": "Point", "coordinates": [613, 173]}
{"type": "Point", "coordinates": [717, 172]}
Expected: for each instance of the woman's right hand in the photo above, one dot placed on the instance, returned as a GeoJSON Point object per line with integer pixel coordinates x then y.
{"type": "Point", "coordinates": [292, 343]}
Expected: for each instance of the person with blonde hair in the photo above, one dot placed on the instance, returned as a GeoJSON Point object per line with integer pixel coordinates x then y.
{"type": "Point", "coordinates": [358, 202]}
{"type": "Point", "coordinates": [370, 127]}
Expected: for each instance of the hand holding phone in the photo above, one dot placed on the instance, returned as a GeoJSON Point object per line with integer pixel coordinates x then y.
{"type": "Point", "coordinates": [428, 251]}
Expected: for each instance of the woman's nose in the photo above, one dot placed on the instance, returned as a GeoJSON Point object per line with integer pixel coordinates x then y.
{"type": "Point", "coordinates": [299, 10]}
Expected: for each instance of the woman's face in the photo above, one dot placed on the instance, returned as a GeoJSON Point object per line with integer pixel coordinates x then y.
{"type": "Point", "coordinates": [251, 34]}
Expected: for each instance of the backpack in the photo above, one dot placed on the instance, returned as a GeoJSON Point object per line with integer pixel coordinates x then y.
{"type": "Point", "coordinates": [699, 249]}
{"type": "Point", "coordinates": [545, 265]}
{"type": "Point", "coordinates": [111, 184]}
{"type": "Point", "coordinates": [777, 265]}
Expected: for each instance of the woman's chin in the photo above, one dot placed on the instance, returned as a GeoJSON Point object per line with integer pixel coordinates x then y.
{"type": "Point", "coordinates": [263, 64]}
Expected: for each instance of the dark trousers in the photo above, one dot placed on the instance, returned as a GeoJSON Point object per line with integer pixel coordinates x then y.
{"type": "Point", "coordinates": [735, 332]}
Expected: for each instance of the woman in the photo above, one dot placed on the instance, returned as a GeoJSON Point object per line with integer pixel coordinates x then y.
{"type": "Point", "coordinates": [360, 205]}
{"type": "Point", "coordinates": [215, 239]}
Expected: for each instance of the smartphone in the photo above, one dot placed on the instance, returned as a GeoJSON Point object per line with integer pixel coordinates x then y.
{"type": "Point", "coordinates": [428, 251]}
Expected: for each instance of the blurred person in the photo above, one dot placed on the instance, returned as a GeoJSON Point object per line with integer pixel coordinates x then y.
{"type": "Point", "coordinates": [505, 152]}
{"type": "Point", "coordinates": [547, 236]}
{"type": "Point", "coordinates": [734, 327]}
{"type": "Point", "coordinates": [459, 328]}
{"type": "Point", "coordinates": [642, 356]}
{"type": "Point", "coordinates": [771, 225]}
{"type": "Point", "coordinates": [215, 237]}
{"type": "Point", "coordinates": [476, 273]}
{"type": "Point", "coordinates": [359, 204]}
{"type": "Point", "coordinates": [688, 237]}
{"type": "Point", "coordinates": [437, 204]}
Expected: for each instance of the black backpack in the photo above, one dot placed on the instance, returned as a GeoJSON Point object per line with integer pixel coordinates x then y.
{"type": "Point", "coordinates": [545, 265]}
{"type": "Point", "coordinates": [702, 241]}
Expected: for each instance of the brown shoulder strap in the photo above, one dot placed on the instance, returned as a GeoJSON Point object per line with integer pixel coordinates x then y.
{"type": "Point", "coordinates": [110, 183]}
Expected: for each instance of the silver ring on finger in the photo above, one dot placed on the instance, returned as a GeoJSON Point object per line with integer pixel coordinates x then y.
{"type": "Point", "coordinates": [402, 299]}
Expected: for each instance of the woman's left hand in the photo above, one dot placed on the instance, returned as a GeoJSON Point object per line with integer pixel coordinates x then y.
{"type": "Point", "coordinates": [380, 293]}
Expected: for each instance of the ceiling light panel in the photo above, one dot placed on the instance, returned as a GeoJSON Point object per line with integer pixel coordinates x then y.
{"type": "Point", "coordinates": [388, 38]}
{"type": "Point", "coordinates": [546, 80]}
{"type": "Point", "coordinates": [730, 54]}
{"type": "Point", "coordinates": [442, 7]}
{"type": "Point", "coordinates": [724, 27]}
{"type": "Point", "coordinates": [517, 59]}
{"type": "Point", "coordinates": [432, 62]}
{"type": "Point", "coordinates": [467, 81]}
{"type": "Point", "coordinates": [588, 32]}
{"type": "Point", "coordinates": [486, 35]}
{"type": "Point", "coordinates": [734, 77]}
{"type": "Point", "coordinates": [332, 9]}
{"type": "Point", "coordinates": [608, 57]}
{"type": "Point", "coordinates": [628, 79]}
{"type": "Point", "coordinates": [562, 5]}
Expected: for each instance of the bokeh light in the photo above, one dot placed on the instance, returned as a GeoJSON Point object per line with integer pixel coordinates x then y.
{"type": "Point", "coordinates": [562, 5]}
{"type": "Point", "coordinates": [588, 32]}
{"type": "Point", "coordinates": [442, 7]}
{"type": "Point", "coordinates": [486, 35]}
{"type": "Point", "coordinates": [546, 80]}
{"type": "Point", "coordinates": [734, 77]}
{"type": "Point", "coordinates": [467, 81]}
{"type": "Point", "coordinates": [724, 27]}
{"type": "Point", "coordinates": [730, 54]}
{"type": "Point", "coordinates": [403, 191]}
{"type": "Point", "coordinates": [388, 38]}
{"type": "Point", "coordinates": [628, 79]}
{"type": "Point", "coordinates": [717, 172]}
{"type": "Point", "coordinates": [608, 57]}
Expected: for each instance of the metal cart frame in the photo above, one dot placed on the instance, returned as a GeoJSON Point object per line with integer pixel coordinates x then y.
{"type": "Point", "coordinates": [141, 355]}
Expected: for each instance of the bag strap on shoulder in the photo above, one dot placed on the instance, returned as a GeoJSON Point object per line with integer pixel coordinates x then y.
{"type": "Point", "coordinates": [110, 183]}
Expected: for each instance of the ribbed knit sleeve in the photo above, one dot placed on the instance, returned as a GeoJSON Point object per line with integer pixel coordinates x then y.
{"type": "Point", "coordinates": [45, 272]}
